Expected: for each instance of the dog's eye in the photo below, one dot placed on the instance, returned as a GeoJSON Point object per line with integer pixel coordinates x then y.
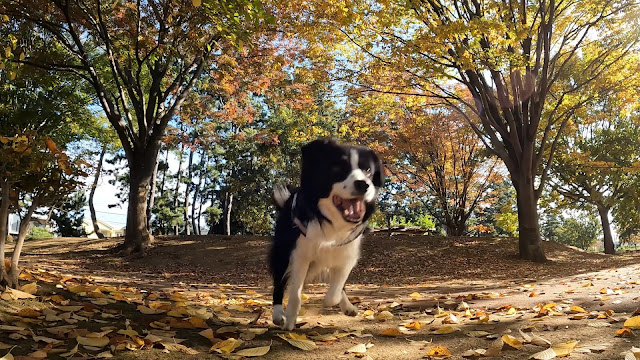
{"type": "Point", "coordinates": [368, 172]}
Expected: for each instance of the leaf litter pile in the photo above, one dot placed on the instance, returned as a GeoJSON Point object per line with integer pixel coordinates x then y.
{"type": "Point", "coordinates": [61, 311]}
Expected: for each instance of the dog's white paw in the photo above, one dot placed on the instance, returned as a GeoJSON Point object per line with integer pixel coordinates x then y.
{"type": "Point", "coordinates": [278, 315]}
{"type": "Point", "coordinates": [349, 310]}
{"type": "Point", "coordinates": [289, 324]}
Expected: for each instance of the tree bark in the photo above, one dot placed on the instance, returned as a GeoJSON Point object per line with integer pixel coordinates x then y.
{"type": "Point", "coordinates": [164, 172]}
{"type": "Point", "coordinates": [137, 237]}
{"type": "Point", "coordinates": [92, 209]}
{"type": "Point", "coordinates": [178, 181]}
{"type": "Point", "coordinates": [14, 272]}
{"type": "Point", "coordinates": [4, 229]}
{"type": "Point", "coordinates": [187, 193]}
{"type": "Point", "coordinates": [163, 226]}
{"type": "Point", "coordinates": [457, 227]}
{"type": "Point", "coordinates": [152, 195]}
{"type": "Point", "coordinates": [609, 246]}
{"type": "Point", "coordinates": [195, 220]}
{"type": "Point", "coordinates": [530, 241]}
{"type": "Point", "coordinates": [228, 204]}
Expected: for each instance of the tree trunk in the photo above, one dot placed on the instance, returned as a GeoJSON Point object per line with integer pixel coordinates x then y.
{"type": "Point", "coordinates": [187, 193]}
{"type": "Point", "coordinates": [178, 181]}
{"type": "Point", "coordinates": [92, 209]}
{"type": "Point", "coordinates": [4, 229]}
{"type": "Point", "coordinates": [456, 228]}
{"type": "Point", "coordinates": [530, 241]}
{"type": "Point", "coordinates": [195, 220]}
{"type": "Point", "coordinates": [164, 171]}
{"type": "Point", "coordinates": [199, 216]}
{"type": "Point", "coordinates": [137, 236]}
{"type": "Point", "coordinates": [152, 196]}
{"type": "Point", "coordinates": [228, 204]}
{"type": "Point", "coordinates": [609, 247]}
{"type": "Point", "coordinates": [14, 272]}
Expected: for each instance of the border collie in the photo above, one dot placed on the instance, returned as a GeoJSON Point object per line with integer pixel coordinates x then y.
{"type": "Point", "coordinates": [320, 224]}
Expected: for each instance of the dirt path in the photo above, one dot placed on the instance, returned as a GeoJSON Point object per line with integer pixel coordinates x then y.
{"type": "Point", "coordinates": [414, 278]}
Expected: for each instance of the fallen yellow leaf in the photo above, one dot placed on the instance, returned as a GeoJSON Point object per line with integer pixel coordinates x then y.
{"type": "Point", "coordinates": [512, 341]}
{"type": "Point", "coordinates": [149, 311]}
{"type": "Point", "coordinates": [29, 313]}
{"type": "Point", "coordinates": [624, 332]}
{"type": "Point", "coordinates": [208, 333]}
{"type": "Point", "coordinates": [632, 322]}
{"type": "Point", "coordinates": [445, 330]}
{"type": "Point", "coordinates": [70, 352]}
{"type": "Point", "coordinates": [8, 356]}
{"type": "Point", "coordinates": [198, 322]}
{"type": "Point", "coordinates": [97, 342]}
{"type": "Point", "coordinates": [358, 349]}
{"type": "Point", "coordinates": [226, 346]}
{"type": "Point", "coordinates": [416, 325]}
{"type": "Point", "coordinates": [564, 349]}
{"type": "Point", "coordinates": [384, 315]}
{"type": "Point", "coordinates": [305, 345]}
{"type": "Point", "coordinates": [392, 332]}
{"type": "Point", "coordinates": [576, 309]}
{"type": "Point", "coordinates": [253, 352]}
{"type": "Point", "coordinates": [547, 354]}
{"type": "Point", "coordinates": [30, 288]}
{"type": "Point", "coordinates": [440, 352]}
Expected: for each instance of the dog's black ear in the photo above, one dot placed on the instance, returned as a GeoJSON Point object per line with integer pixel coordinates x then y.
{"type": "Point", "coordinates": [315, 167]}
{"type": "Point", "coordinates": [378, 174]}
{"type": "Point", "coordinates": [316, 148]}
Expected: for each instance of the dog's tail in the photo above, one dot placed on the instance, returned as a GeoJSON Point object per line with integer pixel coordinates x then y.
{"type": "Point", "coordinates": [281, 194]}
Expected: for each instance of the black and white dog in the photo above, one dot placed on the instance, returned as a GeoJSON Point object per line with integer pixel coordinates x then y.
{"type": "Point", "coordinates": [320, 225]}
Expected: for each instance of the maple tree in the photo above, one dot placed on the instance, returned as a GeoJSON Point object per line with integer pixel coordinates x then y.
{"type": "Point", "coordinates": [431, 149]}
{"type": "Point", "coordinates": [597, 159]}
{"type": "Point", "coordinates": [34, 174]}
{"type": "Point", "coordinates": [38, 111]}
{"type": "Point", "coordinates": [523, 64]}
{"type": "Point", "coordinates": [141, 60]}
{"type": "Point", "coordinates": [599, 169]}
{"type": "Point", "coordinates": [581, 232]}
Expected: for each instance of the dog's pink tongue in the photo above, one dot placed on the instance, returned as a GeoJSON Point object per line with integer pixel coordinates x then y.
{"type": "Point", "coordinates": [355, 208]}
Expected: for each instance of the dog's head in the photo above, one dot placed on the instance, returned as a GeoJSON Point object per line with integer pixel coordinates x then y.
{"type": "Point", "coordinates": [342, 179]}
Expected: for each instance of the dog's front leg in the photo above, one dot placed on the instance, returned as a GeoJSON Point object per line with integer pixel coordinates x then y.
{"type": "Point", "coordinates": [336, 294]}
{"type": "Point", "coordinates": [298, 272]}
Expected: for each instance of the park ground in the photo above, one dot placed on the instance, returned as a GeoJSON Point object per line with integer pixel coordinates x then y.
{"type": "Point", "coordinates": [419, 297]}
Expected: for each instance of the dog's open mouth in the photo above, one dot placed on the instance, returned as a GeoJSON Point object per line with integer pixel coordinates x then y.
{"type": "Point", "coordinates": [352, 210]}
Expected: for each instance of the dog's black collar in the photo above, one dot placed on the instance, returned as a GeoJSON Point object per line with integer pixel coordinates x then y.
{"type": "Point", "coordinates": [353, 235]}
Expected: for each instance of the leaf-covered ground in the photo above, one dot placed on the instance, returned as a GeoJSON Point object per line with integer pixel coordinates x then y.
{"type": "Point", "coordinates": [208, 297]}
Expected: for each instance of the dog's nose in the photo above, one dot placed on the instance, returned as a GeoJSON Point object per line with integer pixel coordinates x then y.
{"type": "Point", "coordinates": [361, 186]}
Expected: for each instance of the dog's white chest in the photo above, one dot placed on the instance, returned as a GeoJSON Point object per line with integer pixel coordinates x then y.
{"type": "Point", "coordinates": [326, 249]}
